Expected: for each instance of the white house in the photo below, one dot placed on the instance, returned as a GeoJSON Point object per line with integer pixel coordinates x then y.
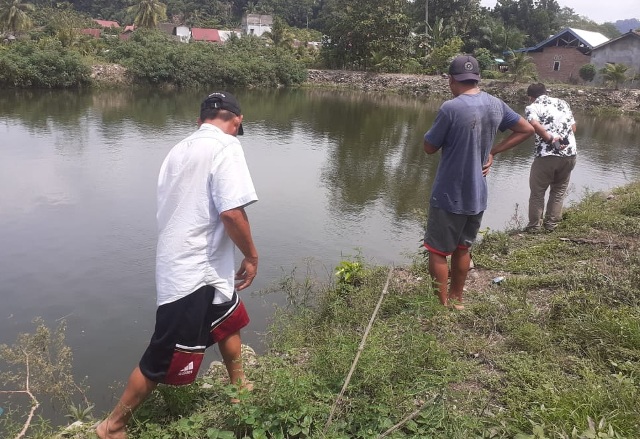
{"type": "Point", "coordinates": [183, 33]}
{"type": "Point", "coordinates": [256, 24]}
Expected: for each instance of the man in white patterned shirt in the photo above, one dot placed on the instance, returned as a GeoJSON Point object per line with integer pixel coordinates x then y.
{"type": "Point", "coordinates": [555, 156]}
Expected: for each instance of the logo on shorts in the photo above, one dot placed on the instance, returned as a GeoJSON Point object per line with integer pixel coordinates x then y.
{"type": "Point", "coordinates": [187, 370]}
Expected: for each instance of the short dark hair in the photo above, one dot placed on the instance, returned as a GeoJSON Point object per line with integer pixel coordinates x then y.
{"type": "Point", "coordinates": [216, 113]}
{"type": "Point", "coordinates": [536, 90]}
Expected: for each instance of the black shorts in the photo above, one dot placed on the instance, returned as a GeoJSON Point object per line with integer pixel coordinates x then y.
{"type": "Point", "coordinates": [448, 231]}
{"type": "Point", "coordinates": [184, 329]}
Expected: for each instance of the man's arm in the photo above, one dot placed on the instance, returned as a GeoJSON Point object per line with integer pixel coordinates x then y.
{"type": "Point", "coordinates": [543, 133]}
{"type": "Point", "coordinates": [520, 132]}
{"type": "Point", "coordinates": [430, 148]}
{"type": "Point", "coordinates": [237, 227]}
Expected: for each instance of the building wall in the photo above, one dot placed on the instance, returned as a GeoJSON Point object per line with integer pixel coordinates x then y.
{"type": "Point", "coordinates": [624, 51]}
{"type": "Point", "coordinates": [568, 61]}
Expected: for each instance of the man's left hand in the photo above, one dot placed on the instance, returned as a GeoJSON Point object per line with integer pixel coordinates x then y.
{"type": "Point", "coordinates": [246, 273]}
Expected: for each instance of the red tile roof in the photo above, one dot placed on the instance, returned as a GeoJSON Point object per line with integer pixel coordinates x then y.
{"type": "Point", "coordinates": [200, 34]}
{"type": "Point", "coordinates": [107, 23]}
{"type": "Point", "coordinates": [95, 33]}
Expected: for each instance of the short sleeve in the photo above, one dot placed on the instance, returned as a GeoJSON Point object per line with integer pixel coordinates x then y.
{"type": "Point", "coordinates": [509, 118]}
{"type": "Point", "coordinates": [231, 185]}
{"type": "Point", "coordinates": [530, 113]}
{"type": "Point", "coordinates": [438, 131]}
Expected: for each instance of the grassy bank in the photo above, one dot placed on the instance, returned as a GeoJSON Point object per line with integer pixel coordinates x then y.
{"type": "Point", "coordinates": [552, 351]}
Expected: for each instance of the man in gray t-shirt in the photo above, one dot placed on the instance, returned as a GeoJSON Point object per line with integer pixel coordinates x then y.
{"type": "Point", "coordinates": [464, 129]}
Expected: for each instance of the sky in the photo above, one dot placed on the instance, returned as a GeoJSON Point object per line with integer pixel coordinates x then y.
{"type": "Point", "coordinates": [599, 11]}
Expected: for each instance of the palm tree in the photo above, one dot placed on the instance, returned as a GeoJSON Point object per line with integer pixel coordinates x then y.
{"type": "Point", "coordinates": [616, 73]}
{"type": "Point", "coordinates": [13, 15]}
{"type": "Point", "coordinates": [149, 13]}
{"type": "Point", "coordinates": [521, 67]}
{"type": "Point", "coordinates": [280, 34]}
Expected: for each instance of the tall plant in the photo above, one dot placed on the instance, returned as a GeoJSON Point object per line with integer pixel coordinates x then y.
{"type": "Point", "coordinates": [148, 13]}
{"type": "Point", "coordinates": [14, 15]}
{"type": "Point", "coordinates": [522, 67]}
{"type": "Point", "coordinates": [615, 74]}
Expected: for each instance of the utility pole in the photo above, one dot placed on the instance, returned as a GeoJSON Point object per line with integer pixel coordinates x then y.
{"type": "Point", "coordinates": [426, 27]}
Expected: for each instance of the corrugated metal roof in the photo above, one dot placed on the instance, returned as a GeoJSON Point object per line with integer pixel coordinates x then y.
{"type": "Point", "coordinates": [587, 38]}
{"type": "Point", "coordinates": [629, 34]}
{"type": "Point", "coordinates": [593, 39]}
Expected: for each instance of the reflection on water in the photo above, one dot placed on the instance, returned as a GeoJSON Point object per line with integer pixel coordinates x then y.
{"type": "Point", "coordinates": [337, 173]}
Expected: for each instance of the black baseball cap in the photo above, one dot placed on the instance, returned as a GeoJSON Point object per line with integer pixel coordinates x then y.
{"type": "Point", "coordinates": [465, 68]}
{"type": "Point", "coordinates": [223, 100]}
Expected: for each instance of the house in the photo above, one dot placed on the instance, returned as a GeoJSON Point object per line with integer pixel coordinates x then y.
{"type": "Point", "coordinates": [107, 23]}
{"type": "Point", "coordinates": [226, 34]}
{"type": "Point", "coordinates": [203, 34]}
{"type": "Point", "coordinates": [182, 33]}
{"type": "Point", "coordinates": [166, 28]}
{"type": "Point", "coordinates": [127, 32]}
{"type": "Point", "coordinates": [559, 57]}
{"type": "Point", "coordinates": [256, 24]}
{"type": "Point", "coordinates": [95, 33]}
{"type": "Point", "coordinates": [622, 50]}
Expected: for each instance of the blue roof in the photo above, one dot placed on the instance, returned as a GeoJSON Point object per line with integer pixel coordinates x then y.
{"type": "Point", "coordinates": [587, 38]}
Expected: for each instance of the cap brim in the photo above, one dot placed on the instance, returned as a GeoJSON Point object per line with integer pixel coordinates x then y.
{"type": "Point", "coordinates": [466, 77]}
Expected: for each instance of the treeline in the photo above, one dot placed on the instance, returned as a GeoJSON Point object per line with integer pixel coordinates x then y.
{"type": "Point", "coordinates": [374, 35]}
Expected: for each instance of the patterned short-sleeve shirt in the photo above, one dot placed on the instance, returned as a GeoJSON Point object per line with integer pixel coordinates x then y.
{"type": "Point", "coordinates": [556, 117]}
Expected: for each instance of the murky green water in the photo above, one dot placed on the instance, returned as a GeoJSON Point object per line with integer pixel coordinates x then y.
{"type": "Point", "coordinates": [337, 173]}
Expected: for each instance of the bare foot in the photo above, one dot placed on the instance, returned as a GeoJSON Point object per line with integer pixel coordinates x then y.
{"type": "Point", "coordinates": [103, 431]}
{"type": "Point", "coordinates": [247, 386]}
{"type": "Point", "coordinates": [455, 303]}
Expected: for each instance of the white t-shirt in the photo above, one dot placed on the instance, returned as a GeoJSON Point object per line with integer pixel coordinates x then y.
{"type": "Point", "coordinates": [202, 176]}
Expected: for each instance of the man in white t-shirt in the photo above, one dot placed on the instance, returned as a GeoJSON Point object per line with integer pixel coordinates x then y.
{"type": "Point", "coordinates": [203, 187]}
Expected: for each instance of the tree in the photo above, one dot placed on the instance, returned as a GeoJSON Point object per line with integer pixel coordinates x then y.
{"type": "Point", "coordinates": [149, 13]}
{"type": "Point", "coordinates": [356, 29]}
{"type": "Point", "coordinates": [280, 34]}
{"type": "Point", "coordinates": [537, 19]}
{"type": "Point", "coordinates": [587, 72]}
{"type": "Point", "coordinates": [14, 15]}
{"type": "Point", "coordinates": [615, 73]}
{"type": "Point", "coordinates": [521, 67]}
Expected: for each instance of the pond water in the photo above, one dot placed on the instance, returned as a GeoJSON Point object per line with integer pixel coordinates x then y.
{"type": "Point", "coordinates": [338, 174]}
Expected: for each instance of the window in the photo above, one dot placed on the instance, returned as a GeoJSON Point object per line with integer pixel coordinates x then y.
{"type": "Point", "coordinates": [556, 66]}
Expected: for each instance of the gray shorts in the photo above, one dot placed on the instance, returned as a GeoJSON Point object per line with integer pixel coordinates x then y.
{"type": "Point", "coordinates": [448, 231]}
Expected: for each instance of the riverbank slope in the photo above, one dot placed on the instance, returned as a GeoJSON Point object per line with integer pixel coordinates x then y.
{"type": "Point", "coordinates": [590, 98]}
{"type": "Point", "coordinates": [547, 346]}
{"type": "Point", "coordinates": [625, 101]}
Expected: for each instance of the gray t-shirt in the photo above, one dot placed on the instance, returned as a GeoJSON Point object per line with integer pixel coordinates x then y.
{"type": "Point", "coordinates": [465, 128]}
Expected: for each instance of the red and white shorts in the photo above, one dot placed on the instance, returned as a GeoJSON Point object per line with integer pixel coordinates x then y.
{"type": "Point", "coordinates": [184, 329]}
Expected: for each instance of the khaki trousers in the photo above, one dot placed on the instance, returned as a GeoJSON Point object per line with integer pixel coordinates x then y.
{"type": "Point", "coordinates": [553, 172]}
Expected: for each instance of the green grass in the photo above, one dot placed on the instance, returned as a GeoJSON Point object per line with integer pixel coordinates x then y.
{"type": "Point", "coordinates": [551, 352]}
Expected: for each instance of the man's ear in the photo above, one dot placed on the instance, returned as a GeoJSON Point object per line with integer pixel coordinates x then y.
{"type": "Point", "coordinates": [199, 121]}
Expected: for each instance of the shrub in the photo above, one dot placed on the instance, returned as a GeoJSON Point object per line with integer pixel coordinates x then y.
{"type": "Point", "coordinates": [152, 57]}
{"type": "Point", "coordinates": [587, 72]}
{"type": "Point", "coordinates": [44, 64]}
{"type": "Point", "coordinates": [484, 57]}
